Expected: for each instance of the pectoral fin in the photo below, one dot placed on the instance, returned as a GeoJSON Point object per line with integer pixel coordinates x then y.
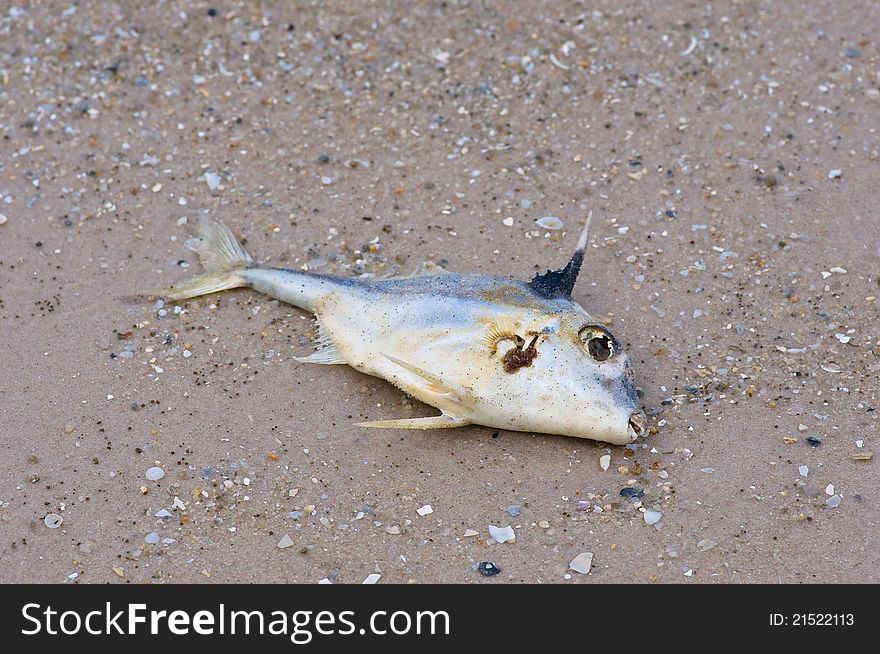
{"type": "Point", "coordinates": [432, 390]}
{"type": "Point", "coordinates": [431, 422]}
{"type": "Point", "coordinates": [432, 383]}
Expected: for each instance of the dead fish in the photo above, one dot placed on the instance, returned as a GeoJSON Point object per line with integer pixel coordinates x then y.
{"type": "Point", "coordinates": [484, 350]}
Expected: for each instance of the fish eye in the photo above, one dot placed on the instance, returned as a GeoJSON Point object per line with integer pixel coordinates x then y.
{"type": "Point", "coordinates": [598, 342]}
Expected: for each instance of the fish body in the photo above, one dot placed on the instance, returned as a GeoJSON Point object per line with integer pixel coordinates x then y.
{"type": "Point", "coordinates": [482, 349]}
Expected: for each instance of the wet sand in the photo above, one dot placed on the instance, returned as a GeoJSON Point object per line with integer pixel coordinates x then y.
{"type": "Point", "coordinates": [729, 155]}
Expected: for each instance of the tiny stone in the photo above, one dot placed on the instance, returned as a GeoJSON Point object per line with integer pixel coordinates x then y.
{"type": "Point", "coordinates": [285, 542]}
{"type": "Point", "coordinates": [163, 513]}
{"type": "Point", "coordinates": [154, 473]}
{"type": "Point", "coordinates": [833, 501]}
{"type": "Point", "coordinates": [582, 562]}
{"type": "Point", "coordinates": [804, 470]}
{"type": "Point", "coordinates": [119, 572]}
{"type": "Point", "coordinates": [544, 524]}
{"type": "Point", "coordinates": [605, 461]}
{"type": "Point", "coordinates": [488, 569]}
{"type": "Point", "coordinates": [53, 520]}
{"type": "Point", "coordinates": [632, 493]}
{"type": "Point", "coordinates": [507, 222]}
{"type": "Point", "coordinates": [813, 441]}
{"type": "Point", "coordinates": [829, 489]}
{"type": "Point", "coordinates": [152, 538]}
{"type": "Point", "coordinates": [501, 534]}
{"type": "Point", "coordinates": [834, 174]}
{"type": "Point", "coordinates": [394, 530]}
{"type": "Point", "coordinates": [652, 517]}
{"type": "Point", "coordinates": [513, 509]}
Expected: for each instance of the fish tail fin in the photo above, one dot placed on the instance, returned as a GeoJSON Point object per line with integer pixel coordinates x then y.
{"type": "Point", "coordinates": [223, 258]}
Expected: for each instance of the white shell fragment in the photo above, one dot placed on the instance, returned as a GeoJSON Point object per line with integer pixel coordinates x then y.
{"type": "Point", "coordinates": [605, 461]}
{"type": "Point", "coordinates": [154, 473]}
{"type": "Point", "coordinates": [549, 222]}
{"type": "Point", "coordinates": [652, 517]}
{"type": "Point", "coordinates": [285, 542]}
{"type": "Point", "coordinates": [53, 520]}
{"type": "Point", "coordinates": [803, 470]}
{"type": "Point", "coordinates": [501, 534]}
{"type": "Point", "coordinates": [425, 510]}
{"type": "Point", "coordinates": [371, 579]}
{"type": "Point", "coordinates": [706, 544]}
{"type": "Point", "coordinates": [582, 562]}
{"type": "Point", "coordinates": [152, 538]}
{"type": "Point", "coordinates": [213, 180]}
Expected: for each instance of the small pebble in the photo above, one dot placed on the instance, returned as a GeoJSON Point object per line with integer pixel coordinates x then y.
{"type": "Point", "coordinates": [652, 517]}
{"type": "Point", "coordinates": [605, 461]}
{"type": "Point", "coordinates": [804, 470]}
{"type": "Point", "coordinates": [513, 509]}
{"type": "Point", "coordinates": [833, 501]}
{"type": "Point", "coordinates": [53, 520]}
{"type": "Point", "coordinates": [425, 510]}
{"type": "Point", "coordinates": [488, 569]}
{"type": "Point", "coordinates": [154, 473]}
{"type": "Point", "coordinates": [582, 562]}
{"type": "Point", "coordinates": [813, 441]}
{"type": "Point", "coordinates": [152, 538]}
{"type": "Point", "coordinates": [632, 493]}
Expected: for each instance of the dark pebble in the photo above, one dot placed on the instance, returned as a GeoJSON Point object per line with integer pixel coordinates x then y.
{"type": "Point", "coordinates": [488, 569]}
{"type": "Point", "coordinates": [813, 441]}
{"type": "Point", "coordinates": [632, 493]}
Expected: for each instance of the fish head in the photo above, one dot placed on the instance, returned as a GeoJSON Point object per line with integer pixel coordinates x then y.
{"type": "Point", "coordinates": [568, 374]}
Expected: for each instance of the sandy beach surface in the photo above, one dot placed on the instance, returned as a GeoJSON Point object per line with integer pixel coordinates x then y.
{"type": "Point", "coordinates": [728, 151]}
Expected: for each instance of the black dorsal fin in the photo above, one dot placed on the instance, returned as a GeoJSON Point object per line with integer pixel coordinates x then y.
{"type": "Point", "coordinates": [560, 283]}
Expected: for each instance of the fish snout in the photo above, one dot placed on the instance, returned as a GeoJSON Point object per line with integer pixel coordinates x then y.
{"type": "Point", "coordinates": [638, 425]}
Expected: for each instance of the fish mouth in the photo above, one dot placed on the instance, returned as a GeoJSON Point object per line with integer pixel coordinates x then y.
{"type": "Point", "coordinates": [638, 425]}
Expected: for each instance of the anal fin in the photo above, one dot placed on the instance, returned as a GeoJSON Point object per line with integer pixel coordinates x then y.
{"type": "Point", "coordinates": [442, 421]}
{"type": "Point", "coordinates": [327, 355]}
